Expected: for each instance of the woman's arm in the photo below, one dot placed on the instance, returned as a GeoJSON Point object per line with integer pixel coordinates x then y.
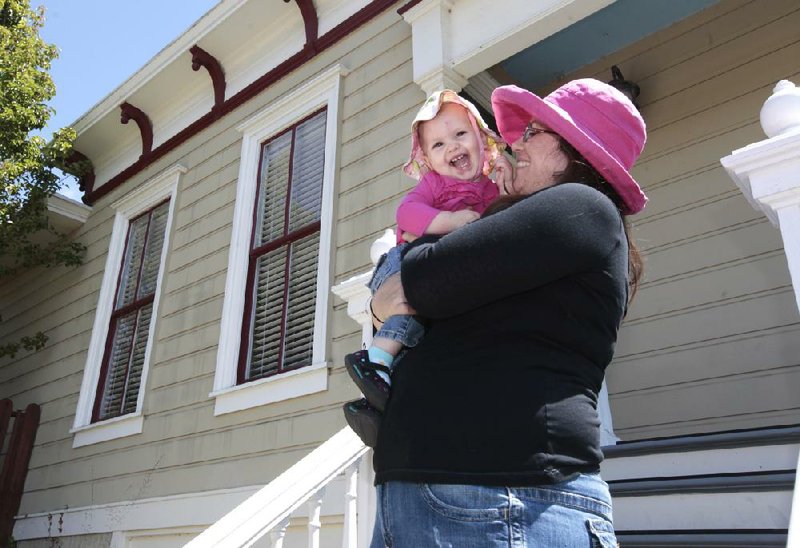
{"type": "Point", "coordinates": [389, 300]}
{"type": "Point", "coordinates": [559, 231]}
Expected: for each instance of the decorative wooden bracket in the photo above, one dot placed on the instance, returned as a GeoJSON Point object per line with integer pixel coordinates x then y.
{"type": "Point", "coordinates": [130, 112]}
{"type": "Point", "coordinates": [311, 21]}
{"type": "Point", "coordinates": [80, 166]}
{"type": "Point", "coordinates": [201, 58]}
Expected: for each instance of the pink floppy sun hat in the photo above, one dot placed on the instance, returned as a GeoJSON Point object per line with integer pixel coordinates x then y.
{"type": "Point", "coordinates": [491, 145]}
{"type": "Point", "coordinates": [595, 118]}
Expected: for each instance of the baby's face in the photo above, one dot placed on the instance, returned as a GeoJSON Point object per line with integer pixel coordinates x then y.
{"type": "Point", "coordinates": [450, 145]}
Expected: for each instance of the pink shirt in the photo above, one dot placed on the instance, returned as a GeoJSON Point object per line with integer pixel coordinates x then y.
{"type": "Point", "coordinates": [436, 193]}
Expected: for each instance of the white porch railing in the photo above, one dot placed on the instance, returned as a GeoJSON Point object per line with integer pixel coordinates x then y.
{"type": "Point", "coordinates": [268, 511]}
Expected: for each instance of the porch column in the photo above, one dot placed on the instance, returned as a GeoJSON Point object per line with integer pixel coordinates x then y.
{"type": "Point", "coordinates": [768, 174]}
{"type": "Point", "coordinates": [453, 40]}
{"type": "Point", "coordinates": [431, 24]}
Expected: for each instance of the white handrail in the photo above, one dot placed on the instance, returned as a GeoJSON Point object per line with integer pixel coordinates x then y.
{"type": "Point", "coordinates": [270, 507]}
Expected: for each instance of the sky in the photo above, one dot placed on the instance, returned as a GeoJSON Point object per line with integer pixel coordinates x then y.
{"type": "Point", "coordinates": [104, 42]}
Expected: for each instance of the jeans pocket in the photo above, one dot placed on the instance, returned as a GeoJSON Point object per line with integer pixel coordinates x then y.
{"type": "Point", "coordinates": [465, 502]}
{"type": "Point", "coordinates": [601, 533]}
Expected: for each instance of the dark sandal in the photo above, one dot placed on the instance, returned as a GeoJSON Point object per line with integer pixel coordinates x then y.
{"type": "Point", "coordinates": [364, 420]}
{"type": "Point", "coordinates": [365, 374]}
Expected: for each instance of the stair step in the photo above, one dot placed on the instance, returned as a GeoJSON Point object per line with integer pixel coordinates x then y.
{"type": "Point", "coordinates": [755, 538]}
{"type": "Point", "coordinates": [721, 489]}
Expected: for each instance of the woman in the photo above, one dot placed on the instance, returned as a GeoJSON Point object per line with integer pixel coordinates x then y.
{"type": "Point", "coordinates": [491, 435]}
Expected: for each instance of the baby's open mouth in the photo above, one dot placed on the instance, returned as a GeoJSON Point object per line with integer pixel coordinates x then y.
{"type": "Point", "coordinates": [461, 161]}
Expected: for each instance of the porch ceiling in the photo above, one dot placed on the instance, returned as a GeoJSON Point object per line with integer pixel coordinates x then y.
{"type": "Point", "coordinates": [601, 33]}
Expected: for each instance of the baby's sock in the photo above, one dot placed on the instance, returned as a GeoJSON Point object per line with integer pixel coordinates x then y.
{"type": "Point", "coordinates": [378, 355]}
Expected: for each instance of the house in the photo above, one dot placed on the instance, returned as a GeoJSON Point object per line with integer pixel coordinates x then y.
{"type": "Point", "coordinates": [196, 355]}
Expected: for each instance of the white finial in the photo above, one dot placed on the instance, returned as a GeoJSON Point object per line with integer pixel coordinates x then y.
{"type": "Point", "coordinates": [781, 111]}
{"type": "Point", "coordinates": [382, 245]}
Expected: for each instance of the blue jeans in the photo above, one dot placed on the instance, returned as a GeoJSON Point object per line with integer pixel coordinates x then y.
{"type": "Point", "coordinates": [404, 329]}
{"type": "Point", "coordinates": [574, 513]}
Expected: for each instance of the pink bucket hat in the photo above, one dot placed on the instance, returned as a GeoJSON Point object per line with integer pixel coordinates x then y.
{"type": "Point", "coordinates": [595, 118]}
{"type": "Point", "coordinates": [491, 145]}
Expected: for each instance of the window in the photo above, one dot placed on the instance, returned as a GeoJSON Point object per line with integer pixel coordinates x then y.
{"type": "Point", "coordinates": [121, 373]}
{"type": "Point", "coordinates": [274, 319]}
{"type": "Point", "coordinates": [112, 390]}
{"type": "Point", "coordinates": [284, 254]}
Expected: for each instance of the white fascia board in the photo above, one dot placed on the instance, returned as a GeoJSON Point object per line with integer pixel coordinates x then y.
{"type": "Point", "coordinates": [66, 214]}
{"type": "Point", "coordinates": [69, 208]}
{"type": "Point", "coordinates": [478, 42]}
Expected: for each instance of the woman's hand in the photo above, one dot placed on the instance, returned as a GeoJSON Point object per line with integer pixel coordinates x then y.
{"type": "Point", "coordinates": [446, 222]}
{"type": "Point", "coordinates": [390, 299]}
{"type": "Point", "coordinates": [503, 175]}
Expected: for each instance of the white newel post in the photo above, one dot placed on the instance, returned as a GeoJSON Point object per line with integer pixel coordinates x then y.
{"type": "Point", "coordinates": [768, 174]}
{"type": "Point", "coordinates": [355, 293]}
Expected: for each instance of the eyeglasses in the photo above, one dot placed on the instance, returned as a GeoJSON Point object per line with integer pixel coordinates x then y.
{"type": "Point", "coordinates": [530, 131]}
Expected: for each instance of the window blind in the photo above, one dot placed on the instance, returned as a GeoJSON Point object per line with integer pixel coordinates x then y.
{"type": "Point", "coordinates": [121, 373]}
{"type": "Point", "coordinates": [285, 252]}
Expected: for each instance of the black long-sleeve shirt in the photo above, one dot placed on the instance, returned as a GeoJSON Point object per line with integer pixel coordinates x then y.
{"type": "Point", "coordinates": [525, 306]}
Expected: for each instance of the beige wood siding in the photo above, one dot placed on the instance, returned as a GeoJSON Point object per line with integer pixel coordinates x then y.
{"type": "Point", "coordinates": [712, 341]}
{"type": "Point", "coordinates": [183, 447]}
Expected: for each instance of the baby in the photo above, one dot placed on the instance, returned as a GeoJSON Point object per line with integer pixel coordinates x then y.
{"type": "Point", "coordinates": [452, 153]}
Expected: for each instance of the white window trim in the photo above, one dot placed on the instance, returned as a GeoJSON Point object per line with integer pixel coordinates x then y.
{"type": "Point", "coordinates": [322, 91]}
{"type": "Point", "coordinates": [148, 195]}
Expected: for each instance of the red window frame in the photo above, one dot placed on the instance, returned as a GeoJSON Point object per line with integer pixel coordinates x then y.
{"type": "Point", "coordinates": [256, 252]}
{"type": "Point", "coordinates": [117, 313]}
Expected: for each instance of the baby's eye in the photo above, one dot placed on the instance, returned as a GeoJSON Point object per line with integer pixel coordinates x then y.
{"type": "Point", "coordinates": [437, 145]}
{"type": "Point", "coordinates": [461, 133]}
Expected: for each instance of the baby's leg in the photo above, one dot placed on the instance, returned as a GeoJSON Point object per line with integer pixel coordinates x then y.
{"type": "Point", "coordinates": [387, 342]}
{"type": "Point", "coordinates": [389, 350]}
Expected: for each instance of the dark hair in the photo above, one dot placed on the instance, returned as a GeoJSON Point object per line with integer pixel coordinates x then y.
{"type": "Point", "coordinates": [578, 170]}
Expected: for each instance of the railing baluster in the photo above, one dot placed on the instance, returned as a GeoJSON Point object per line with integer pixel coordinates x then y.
{"type": "Point", "coordinates": [277, 535]}
{"type": "Point", "coordinates": [350, 532]}
{"type": "Point", "coordinates": [267, 508]}
{"type": "Point", "coordinates": [314, 523]}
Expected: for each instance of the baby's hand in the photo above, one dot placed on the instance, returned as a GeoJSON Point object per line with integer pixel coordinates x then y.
{"type": "Point", "coordinates": [462, 217]}
{"type": "Point", "coordinates": [503, 174]}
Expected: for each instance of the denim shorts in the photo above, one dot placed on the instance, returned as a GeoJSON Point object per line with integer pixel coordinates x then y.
{"type": "Point", "coordinates": [574, 513]}
{"type": "Point", "coordinates": [404, 329]}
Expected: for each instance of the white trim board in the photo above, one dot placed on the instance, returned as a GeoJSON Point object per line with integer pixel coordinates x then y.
{"type": "Point", "coordinates": [187, 510]}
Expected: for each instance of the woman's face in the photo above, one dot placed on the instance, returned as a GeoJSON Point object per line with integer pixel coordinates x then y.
{"type": "Point", "coordinates": [449, 143]}
{"type": "Point", "coordinates": [539, 160]}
